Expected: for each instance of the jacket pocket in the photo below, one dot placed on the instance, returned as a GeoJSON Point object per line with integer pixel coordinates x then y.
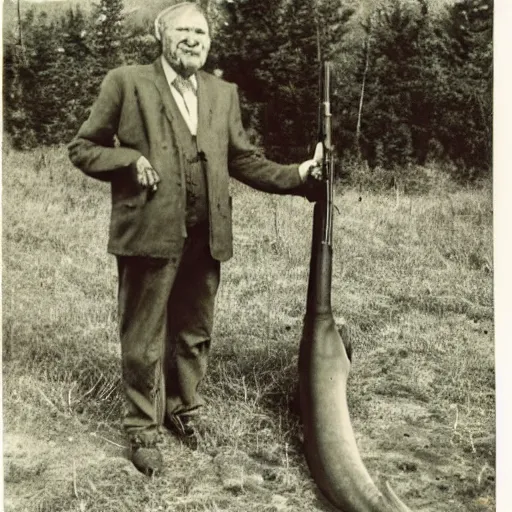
{"type": "Point", "coordinates": [132, 202]}
{"type": "Point", "coordinates": [126, 192]}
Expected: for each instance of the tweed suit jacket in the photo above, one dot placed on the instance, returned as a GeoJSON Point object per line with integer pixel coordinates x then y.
{"type": "Point", "coordinates": [136, 106]}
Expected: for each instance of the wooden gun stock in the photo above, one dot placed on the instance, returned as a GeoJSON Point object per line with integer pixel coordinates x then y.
{"type": "Point", "coordinates": [329, 442]}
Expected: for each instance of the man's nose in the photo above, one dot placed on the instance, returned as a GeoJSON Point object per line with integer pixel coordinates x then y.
{"type": "Point", "coordinates": [192, 40]}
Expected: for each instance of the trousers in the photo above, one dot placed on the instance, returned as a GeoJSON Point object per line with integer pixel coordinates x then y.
{"type": "Point", "coordinates": [165, 323]}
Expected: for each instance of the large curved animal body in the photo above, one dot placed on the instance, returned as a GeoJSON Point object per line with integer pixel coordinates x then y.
{"type": "Point", "coordinates": [329, 442]}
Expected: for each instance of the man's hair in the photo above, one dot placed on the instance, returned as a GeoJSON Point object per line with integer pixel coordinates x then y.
{"type": "Point", "coordinates": [174, 10]}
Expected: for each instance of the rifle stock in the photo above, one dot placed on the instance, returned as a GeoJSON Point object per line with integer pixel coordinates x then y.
{"type": "Point", "coordinates": [329, 442]}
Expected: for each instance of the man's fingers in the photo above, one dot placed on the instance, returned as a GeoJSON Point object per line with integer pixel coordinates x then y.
{"type": "Point", "coordinates": [316, 172]}
{"type": "Point", "coordinates": [153, 180]}
{"type": "Point", "coordinates": [156, 178]}
{"type": "Point", "coordinates": [152, 176]}
{"type": "Point", "coordinates": [147, 177]}
{"type": "Point", "coordinates": [142, 177]}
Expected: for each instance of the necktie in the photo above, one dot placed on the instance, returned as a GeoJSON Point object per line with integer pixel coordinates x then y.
{"type": "Point", "coordinates": [183, 85]}
{"type": "Point", "coordinates": [187, 91]}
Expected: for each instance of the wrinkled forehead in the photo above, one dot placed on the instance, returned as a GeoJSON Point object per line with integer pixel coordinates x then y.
{"type": "Point", "coordinates": [185, 14]}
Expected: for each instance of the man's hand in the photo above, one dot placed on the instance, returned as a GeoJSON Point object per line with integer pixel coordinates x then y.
{"type": "Point", "coordinates": [312, 168]}
{"type": "Point", "coordinates": [147, 177]}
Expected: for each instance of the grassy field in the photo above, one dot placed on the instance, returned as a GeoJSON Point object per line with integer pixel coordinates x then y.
{"type": "Point", "coordinates": [413, 279]}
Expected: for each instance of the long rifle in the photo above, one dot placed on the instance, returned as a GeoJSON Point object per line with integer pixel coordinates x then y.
{"type": "Point", "coordinates": [324, 364]}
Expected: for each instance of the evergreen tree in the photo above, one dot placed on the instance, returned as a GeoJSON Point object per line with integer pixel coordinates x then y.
{"type": "Point", "coordinates": [427, 76]}
{"type": "Point", "coordinates": [16, 115]}
{"type": "Point", "coordinates": [290, 77]}
{"type": "Point", "coordinates": [108, 33]}
{"type": "Point", "coordinates": [464, 124]}
{"type": "Point", "coordinates": [74, 64]}
{"type": "Point", "coordinates": [271, 51]}
{"type": "Point", "coordinates": [246, 36]}
{"type": "Point", "coordinates": [396, 110]}
{"type": "Point", "coordinates": [31, 87]}
{"type": "Point", "coordinates": [140, 45]}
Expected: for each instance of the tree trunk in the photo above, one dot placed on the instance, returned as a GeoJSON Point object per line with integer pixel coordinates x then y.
{"type": "Point", "coordinates": [361, 98]}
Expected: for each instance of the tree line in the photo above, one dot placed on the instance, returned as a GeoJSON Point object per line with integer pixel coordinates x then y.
{"type": "Point", "coordinates": [411, 84]}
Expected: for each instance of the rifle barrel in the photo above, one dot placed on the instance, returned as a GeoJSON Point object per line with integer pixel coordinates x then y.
{"type": "Point", "coordinates": [328, 160]}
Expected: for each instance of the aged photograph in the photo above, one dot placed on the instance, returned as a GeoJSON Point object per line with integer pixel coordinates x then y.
{"type": "Point", "coordinates": [247, 256]}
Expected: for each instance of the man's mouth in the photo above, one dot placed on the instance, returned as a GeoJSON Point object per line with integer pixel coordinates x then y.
{"type": "Point", "coordinates": [190, 51]}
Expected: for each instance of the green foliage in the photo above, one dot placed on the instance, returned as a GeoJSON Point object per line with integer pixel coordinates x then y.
{"type": "Point", "coordinates": [464, 124]}
{"type": "Point", "coordinates": [428, 86]}
{"type": "Point", "coordinates": [53, 77]}
{"type": "Point", "coordinates": [410, 84]}
{"type": "Point", "coordinates": [30, 66]}
{"type": "Point", "coordinates": [107, 43]}
{"type": "Point", "coordinates": [245, 39]}
{"type": "Point", "coordinates": [397, 111]}
{"type": "Point", "coordinates": [271, 50]}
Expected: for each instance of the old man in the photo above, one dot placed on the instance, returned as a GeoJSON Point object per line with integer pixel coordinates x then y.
{"type": "Point", "coordinates": [168, 137]}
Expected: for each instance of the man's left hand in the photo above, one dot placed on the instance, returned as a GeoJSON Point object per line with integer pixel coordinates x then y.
{"type": "Point", "coordinates": [312, 168]}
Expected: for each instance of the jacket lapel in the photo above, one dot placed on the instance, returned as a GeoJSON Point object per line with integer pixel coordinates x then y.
{"type": "Point", "coordinates": [164, 90]}
{"type": "Point", "coordinates": [205, 101]}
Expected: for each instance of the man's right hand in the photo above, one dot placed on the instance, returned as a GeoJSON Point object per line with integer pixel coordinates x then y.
{"type": "Point", "coordinates": [147, 177]}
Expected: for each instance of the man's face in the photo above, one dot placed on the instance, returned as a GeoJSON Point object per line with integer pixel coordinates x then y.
{"type": "Point", "coordinates": [186, 41]}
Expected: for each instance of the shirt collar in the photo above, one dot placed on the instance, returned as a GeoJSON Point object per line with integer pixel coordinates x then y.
{"type": "Point", "coordinates": [170, 74]}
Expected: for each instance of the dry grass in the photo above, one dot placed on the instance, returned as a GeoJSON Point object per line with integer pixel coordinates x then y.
{"type": "Point", "coordinates": [413, 279]}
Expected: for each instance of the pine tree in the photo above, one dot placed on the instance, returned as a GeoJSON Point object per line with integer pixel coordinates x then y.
{"type": "Point", "coordinates": [108, 33]}
{"type": "Point", "coordinates": [29, 122]}
{"type": "Point", "coordinates": [290, 75]}
{"type": "Point", "coordinates": [270, 49]}
{"type": "Point", "coordinates": [246, 36]}
{"type": "Point", "coordinates": [465, 110]}
{"type": "Point", "coordinates": [73, 66]}
{"type": "Point", "coordinates": [16, 114]}
{"type": "Point", "coordinates": [396, 125]}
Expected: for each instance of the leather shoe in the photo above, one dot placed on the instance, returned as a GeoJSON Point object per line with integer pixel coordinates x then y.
{"type": "Point", "coordinates": [147, 460]}
{"type": "Point", "coordinates": [184, 427]}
